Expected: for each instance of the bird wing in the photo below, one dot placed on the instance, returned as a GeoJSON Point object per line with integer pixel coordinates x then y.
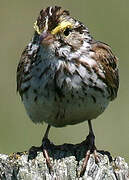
{"type": "Point", "coordinates": [108, 63]}
{"type": "Point", "coordinates": [23, 70]}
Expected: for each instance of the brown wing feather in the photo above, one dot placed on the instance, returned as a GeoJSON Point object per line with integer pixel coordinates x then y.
{"type": "Point", "coordinates": [23, 63]}
{"type": "Point", "coordinates": [109, 64]}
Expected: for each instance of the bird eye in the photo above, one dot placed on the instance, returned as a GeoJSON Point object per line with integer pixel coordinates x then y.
{"type": "Point", "coordinates": [67, 31]}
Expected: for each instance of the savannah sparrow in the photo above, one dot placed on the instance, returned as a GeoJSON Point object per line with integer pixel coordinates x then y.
{"type": "Point", "coordinates": [65, 76]}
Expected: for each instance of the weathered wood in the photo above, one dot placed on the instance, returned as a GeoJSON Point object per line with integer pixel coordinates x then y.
{"type": "Point", "coordinates": [66, 162]}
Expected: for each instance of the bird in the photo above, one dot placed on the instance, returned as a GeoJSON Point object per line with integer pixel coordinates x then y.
{"type": "Point", "coordinates": [64, 75]}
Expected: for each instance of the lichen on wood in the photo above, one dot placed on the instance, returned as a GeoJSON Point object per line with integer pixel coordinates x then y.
{"type": "Point", "coordinates": [66, 165]}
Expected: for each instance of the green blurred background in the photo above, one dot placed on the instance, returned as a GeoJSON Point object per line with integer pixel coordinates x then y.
{"type": "Point", "coordinates": [108, 21]}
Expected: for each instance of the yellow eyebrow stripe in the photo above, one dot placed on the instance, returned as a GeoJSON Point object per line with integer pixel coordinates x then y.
{"type": "Point", "coordinates": [61, 27]}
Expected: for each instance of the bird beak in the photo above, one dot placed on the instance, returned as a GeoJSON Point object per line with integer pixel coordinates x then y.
{"type": "Point", "coordinates": [46, 38]}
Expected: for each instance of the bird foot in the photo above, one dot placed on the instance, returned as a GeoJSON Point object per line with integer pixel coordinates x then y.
{"type": "Point", "coordinates": [46, 144]}
{"type": "Point", "coordinates": [90, 143]}
{"type": "Point", "coordinates": [86, 161]}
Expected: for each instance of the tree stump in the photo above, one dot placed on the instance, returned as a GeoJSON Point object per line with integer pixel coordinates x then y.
{"type": "Point", "coordinates": [67, 160]}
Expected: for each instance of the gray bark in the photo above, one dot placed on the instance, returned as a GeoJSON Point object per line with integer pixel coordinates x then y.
{"type": "Point", "coordinates": [66, 165]}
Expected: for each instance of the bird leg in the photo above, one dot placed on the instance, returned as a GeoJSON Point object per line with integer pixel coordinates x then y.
{"type": "Point", "coordinates": [90, 141]}
{"type": "Point", "coordinates": [45, 145]}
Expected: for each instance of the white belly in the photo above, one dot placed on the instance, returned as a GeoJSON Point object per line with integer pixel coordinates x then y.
{"type": "Point", "coordinates": [71, 109]}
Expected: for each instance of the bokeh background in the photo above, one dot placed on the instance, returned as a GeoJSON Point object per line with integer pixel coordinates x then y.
{"type": "Point", "coordinates": [108, 21]}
